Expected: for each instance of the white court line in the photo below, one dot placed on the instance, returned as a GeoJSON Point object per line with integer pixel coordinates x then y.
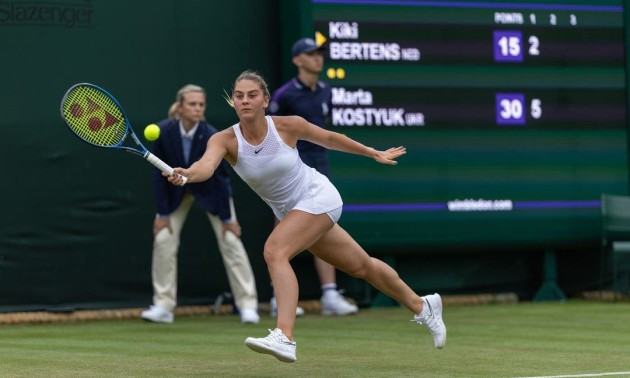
{"type": "Point", "coordinates": [583, 375]}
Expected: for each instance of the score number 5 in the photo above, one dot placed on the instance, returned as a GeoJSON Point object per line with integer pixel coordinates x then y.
{"type": "Point", "coordinates": [510, 108]}
{"type": "Point", "coordinates": [508, 45]}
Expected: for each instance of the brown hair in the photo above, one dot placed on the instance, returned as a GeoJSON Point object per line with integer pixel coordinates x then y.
{"type": "Point", "coordinates": [173, 111]}
{"type": "Point", "coordinates": [248, 75]}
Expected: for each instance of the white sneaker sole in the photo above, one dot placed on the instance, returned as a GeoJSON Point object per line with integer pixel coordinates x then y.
{"type": "Point", "coordinates": [156, 320]}
{"type": "Point", "coordinates": [256, 346]}
{"type": "Point", "coordinates": [438, 314]}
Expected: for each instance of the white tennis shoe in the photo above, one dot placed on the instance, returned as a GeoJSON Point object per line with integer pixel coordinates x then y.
{"type": "Point", "coordinates": [431, 317]}
{"type": "Point", "coordinates": [273, 308]}
{"type": "Point", "coordinates": [157, 314]}
{"type": "Point", "coordinates": [249, 316]}
{"type": "Point", "coordinates": [276, 344]}
{"type": "Point", "coordinates": [333, 303]}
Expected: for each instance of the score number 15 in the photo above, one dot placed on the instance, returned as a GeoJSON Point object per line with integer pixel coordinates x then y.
{"type": "Point", "coordinates": [508, 45]}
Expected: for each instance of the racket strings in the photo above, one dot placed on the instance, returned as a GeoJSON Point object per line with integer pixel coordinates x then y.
{"type": "Point", "coordinates": [94, 117]}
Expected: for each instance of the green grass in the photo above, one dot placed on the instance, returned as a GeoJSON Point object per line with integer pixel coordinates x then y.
{"type": "Point", "coordinates": [510, 340]}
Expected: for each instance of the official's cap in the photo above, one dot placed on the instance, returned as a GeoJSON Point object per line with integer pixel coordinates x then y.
{"type": "Point", "coordinates": [305, 45]}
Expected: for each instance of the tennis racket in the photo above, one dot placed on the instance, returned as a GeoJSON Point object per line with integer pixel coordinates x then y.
{"type": "Point", "coordinates": [97, 118]}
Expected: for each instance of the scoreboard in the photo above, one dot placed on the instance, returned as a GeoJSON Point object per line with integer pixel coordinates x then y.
{"type": "Point", "coordinates": [513, 115]}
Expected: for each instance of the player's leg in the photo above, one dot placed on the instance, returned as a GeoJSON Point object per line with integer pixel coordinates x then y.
{"type": "Point", "coordinates": [294, 234]}
{"type": "Point", "coordinates": [332, 302]}
{"type": "Point", "coordinates": [339, 249]}
{"type": "Point", "coordinates": [273, 304]}
{"type": "Point", "coordinates": [238, 269]}
{"type": "Point", "coordinates": [164, 266]}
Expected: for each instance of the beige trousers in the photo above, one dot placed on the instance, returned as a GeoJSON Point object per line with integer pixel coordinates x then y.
{"type": "Point", "coordinates": [164, 267]}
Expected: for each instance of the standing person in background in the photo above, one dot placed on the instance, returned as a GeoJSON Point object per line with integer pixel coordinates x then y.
{"type": "Point", "coordinates": [308, 97]}
{"type": "Point", "coordinates": [183, 139]}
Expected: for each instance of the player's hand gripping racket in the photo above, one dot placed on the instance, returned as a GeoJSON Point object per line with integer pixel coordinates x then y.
{"type": "Point", "coordinates": [97, 118]}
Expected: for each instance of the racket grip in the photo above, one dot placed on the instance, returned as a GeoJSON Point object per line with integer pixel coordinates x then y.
{"type": "Point", "coordinates": [162, 166]}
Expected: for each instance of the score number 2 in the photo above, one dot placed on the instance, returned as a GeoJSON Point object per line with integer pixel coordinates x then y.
{"type": "Point", "coordinates": [510, 108]}
{"type": "Point", "coordinates": [508, 46]}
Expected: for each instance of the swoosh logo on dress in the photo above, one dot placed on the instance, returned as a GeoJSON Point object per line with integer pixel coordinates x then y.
{"type": "Point", "coordinates": [256, 152]}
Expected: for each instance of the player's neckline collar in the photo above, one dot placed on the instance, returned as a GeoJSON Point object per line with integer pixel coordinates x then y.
{"type": "Point", "coordinates": [240, 125]}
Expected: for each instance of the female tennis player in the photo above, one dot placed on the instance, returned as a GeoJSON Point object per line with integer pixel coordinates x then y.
{"type": "Point", "coordinates": [262, 151]}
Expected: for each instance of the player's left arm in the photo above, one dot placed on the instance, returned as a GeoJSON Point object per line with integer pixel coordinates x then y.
{"type": "Point", "coordinates": [339, 142]}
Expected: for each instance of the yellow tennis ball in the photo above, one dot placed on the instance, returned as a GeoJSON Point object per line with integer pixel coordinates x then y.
{"type": "Point", "coordinates": [152, 132]}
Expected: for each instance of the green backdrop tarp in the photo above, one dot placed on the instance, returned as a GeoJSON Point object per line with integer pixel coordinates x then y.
{"type": "Point", "coordinates": [76, 224]}
{"type": "Point", "coordinates": [75, 230]}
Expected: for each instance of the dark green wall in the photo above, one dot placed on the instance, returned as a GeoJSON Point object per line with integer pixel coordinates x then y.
{"type": "Point", "coordinates": [75, 230]}
{"type": "Point", "coordinates": [76, 224]}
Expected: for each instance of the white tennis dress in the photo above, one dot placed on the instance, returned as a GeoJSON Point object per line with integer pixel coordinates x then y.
{"type": "Point", "coordinates": [277, 174]}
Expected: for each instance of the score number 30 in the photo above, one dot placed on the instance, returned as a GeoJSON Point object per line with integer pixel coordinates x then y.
{"type": "Point", "coordinates": [508, 46]}
{"type": "Point", "coordinates": [510, 108]}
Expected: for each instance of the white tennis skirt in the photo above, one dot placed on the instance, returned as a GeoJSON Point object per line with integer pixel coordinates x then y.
{"type": "Point", "coordinates": [321, 197]}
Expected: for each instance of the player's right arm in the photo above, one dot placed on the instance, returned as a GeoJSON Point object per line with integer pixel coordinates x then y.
{"type": "Point", "coordinates": [203, 168]}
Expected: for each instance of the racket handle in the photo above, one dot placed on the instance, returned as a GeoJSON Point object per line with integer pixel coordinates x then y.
{"type": "Point", "coordinates": [162, 166]}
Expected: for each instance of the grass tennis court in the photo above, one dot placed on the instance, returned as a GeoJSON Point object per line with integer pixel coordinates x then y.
{"type": "Point", "coordinates": [507, 340]}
